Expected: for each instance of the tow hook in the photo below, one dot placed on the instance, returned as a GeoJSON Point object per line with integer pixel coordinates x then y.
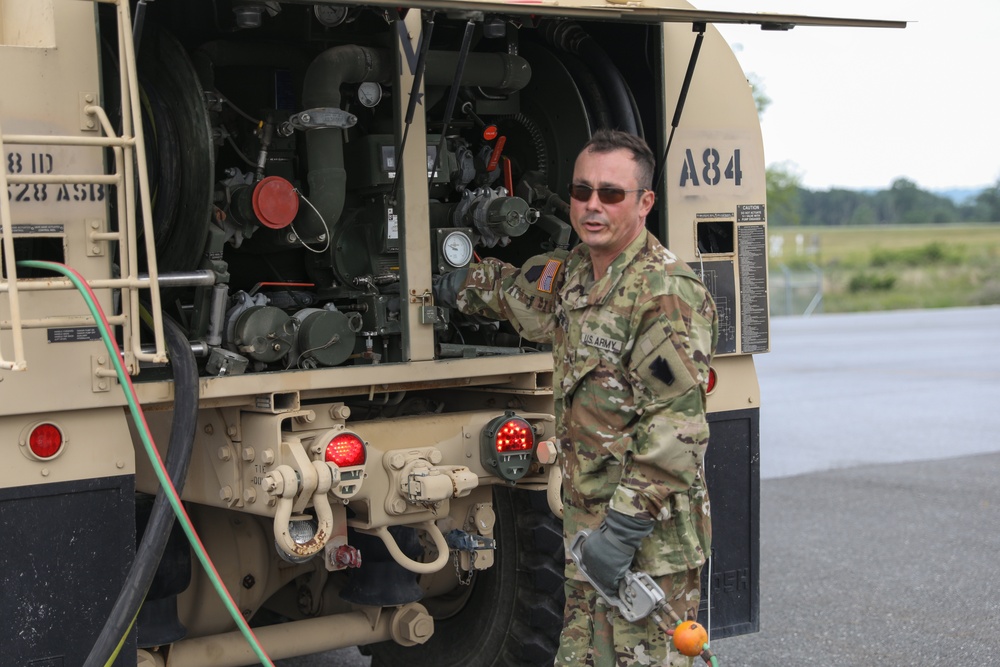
{"type": "Point", "coordinates": [283, 483]}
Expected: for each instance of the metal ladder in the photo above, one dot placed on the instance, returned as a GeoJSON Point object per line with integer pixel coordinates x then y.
{"type": "Point", "coordinates": [129, 151]}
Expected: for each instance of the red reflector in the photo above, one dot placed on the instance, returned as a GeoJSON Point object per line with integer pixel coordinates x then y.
{"type": "Point", "coordinates": [712, 379]}
{"type": "Point", "coordinates": [514, 436]}
{"type": "Point", "coordinates": [45, 441]}
{"type": "Point", "coordinates": [346, 450]}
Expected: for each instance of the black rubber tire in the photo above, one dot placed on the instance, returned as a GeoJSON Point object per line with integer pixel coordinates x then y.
{"type": "Point", "coordinates": [514, 613]}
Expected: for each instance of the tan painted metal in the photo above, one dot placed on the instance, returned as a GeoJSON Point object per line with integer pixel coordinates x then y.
{"type": "Point", "coordinates": [416, 242]}
{"type": "Point", "coordinates": [27, 23]}
{"type": "Point", "coordinates": [410, 624]}
{"type": "Point", "coordinates": [737, 387]}
{"type": "Point", "coordinates": [97, 444]}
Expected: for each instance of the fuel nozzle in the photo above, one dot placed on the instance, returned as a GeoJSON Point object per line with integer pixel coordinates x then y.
{"type": "Point", "coordinates": [640, 596]}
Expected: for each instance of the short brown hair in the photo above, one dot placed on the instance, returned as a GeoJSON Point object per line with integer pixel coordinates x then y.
{"type": "Point", "coordinates": [606, 141]}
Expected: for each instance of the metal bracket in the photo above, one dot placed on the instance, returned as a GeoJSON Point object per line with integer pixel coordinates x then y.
{"type": "Point", "coordinates": [95, 244]}
{"type": "Point", "coordinates": [318, 119]}
{"type": "Point", "coordinates": [88, 122]}
{"type": "Point", "coordinates": [103, 375]}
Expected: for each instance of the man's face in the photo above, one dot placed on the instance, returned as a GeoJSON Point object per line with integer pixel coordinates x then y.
{"type": "Point", "coordinates": [608, 228]}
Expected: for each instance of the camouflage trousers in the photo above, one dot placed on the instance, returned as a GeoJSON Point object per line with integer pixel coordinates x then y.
{"type": "Point", "coordinates": [594, 633]}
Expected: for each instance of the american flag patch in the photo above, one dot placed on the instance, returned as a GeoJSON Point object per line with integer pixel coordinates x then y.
{"type": "Point", "coordinates": [548, 275]}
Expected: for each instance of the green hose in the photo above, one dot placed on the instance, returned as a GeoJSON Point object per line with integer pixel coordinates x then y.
{"type": "Point", "coordinates": [139, 420]}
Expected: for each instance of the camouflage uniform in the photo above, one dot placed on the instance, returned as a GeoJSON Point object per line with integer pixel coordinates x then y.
{"type": "Point", "coordinates": [631, 353]}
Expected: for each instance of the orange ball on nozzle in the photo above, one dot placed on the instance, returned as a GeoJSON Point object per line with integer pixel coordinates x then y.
{"type": "Point", "coordinates": [690, 638]}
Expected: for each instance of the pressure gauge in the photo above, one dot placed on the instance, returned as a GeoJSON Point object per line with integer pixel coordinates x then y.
{"type": "Point", "coordinates": [330, 16]}
{"type": "Point", "coordinates": [457, 249]}
{"type": "Point", "coordinates": [369, 93]}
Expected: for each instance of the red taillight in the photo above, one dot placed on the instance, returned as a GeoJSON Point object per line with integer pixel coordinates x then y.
{"type": "Point", "coordinates": [712, 380]}
{"type": "Point", "coordinates": [515, 435]}
{"type": "Point", "coordinates": [506, 445]}
{"type": "Point", "coordinates": [45, 441]}
{"type": "Point", "coordinates": [345, 450]}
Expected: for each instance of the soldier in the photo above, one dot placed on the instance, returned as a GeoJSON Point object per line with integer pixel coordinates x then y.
{"type": "Point", "coordinates": [633, 331]}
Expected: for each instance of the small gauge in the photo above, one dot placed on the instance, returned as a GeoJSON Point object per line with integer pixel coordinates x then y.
{"type": "Point", "coordinates": [330, 15]}
{"type": "Point", "coordinates": [457, 249]}
{"type": "Point", "coordinates": [369, 93]}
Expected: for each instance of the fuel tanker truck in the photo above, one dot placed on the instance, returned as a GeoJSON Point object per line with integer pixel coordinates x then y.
{"type": "Point", "coordinates": [235, 425]}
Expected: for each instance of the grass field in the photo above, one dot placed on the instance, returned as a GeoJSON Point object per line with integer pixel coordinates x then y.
{"type": "Point", "coordinates": [884, 267]}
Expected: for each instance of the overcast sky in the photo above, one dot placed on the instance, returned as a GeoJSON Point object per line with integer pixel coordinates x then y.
{"type": "Point", "coordinates": [860, 107]}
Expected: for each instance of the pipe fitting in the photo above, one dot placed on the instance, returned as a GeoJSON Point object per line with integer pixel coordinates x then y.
{"type": "Point", "coordinates": [411, 625]}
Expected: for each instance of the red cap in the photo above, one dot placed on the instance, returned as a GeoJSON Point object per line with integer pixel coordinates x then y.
{"type": "Point", "coordinates": [275, 202]}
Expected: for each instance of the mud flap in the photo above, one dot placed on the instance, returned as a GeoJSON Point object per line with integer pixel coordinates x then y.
{"type": "Point", "coordinates": [66, 550]}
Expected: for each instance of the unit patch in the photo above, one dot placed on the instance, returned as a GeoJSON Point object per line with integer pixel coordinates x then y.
{"type": "Point", "coordinates": [661, 371]}
{"type": "Point", "coordinates": [602, 343]}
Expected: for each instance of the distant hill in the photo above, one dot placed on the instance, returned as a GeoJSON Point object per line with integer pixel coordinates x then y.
{"type": "Point", "coordinates": [903, 203]}
{"type": "Point", "coordinates": [959, 195]}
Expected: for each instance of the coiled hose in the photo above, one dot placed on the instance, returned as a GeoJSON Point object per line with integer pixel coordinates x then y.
{"type": "Point", "coordinates": [147, 558]}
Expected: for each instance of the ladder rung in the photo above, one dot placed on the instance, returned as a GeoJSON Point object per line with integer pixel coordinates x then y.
{"type": "Point", "coordinates": [103, 179]}
{"type": "Point", "coordinates": [67, 140]}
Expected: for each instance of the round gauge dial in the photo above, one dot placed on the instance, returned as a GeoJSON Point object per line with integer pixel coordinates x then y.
{"type": "Point", "coordinates": [457, 249]}
{"type": "Point", "coordinates": [369, 93]}
{"type": "Point", "coordinates": [330, 15]}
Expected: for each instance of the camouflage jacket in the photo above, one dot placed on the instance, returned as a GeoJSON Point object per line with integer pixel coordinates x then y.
{"type": "Point", "coordinates": [631, 353]}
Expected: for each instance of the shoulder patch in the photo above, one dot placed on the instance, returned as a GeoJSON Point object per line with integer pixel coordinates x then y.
{"type": "Point", "coordinates": [658, 367]}
{"type": "Point", "coordinates": [548, 275]}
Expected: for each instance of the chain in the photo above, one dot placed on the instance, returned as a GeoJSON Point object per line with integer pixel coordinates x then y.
{"type": "Point", "coordinates": [466, 578]}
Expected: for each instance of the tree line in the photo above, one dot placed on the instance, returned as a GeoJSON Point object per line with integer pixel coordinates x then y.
{"type": "Point", "coordinates": [788, 203]}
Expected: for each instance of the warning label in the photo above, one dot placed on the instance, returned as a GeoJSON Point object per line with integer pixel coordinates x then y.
{"type": "Point", "coordinates": [750, 213]}
{"type": "Point", "coordinates": [73, 334]}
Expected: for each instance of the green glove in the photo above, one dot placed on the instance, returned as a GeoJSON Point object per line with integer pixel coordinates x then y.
{"type": "Point", "coordinates": [607, 552]}
{"type": "Point", "coordinates": [447, 287]}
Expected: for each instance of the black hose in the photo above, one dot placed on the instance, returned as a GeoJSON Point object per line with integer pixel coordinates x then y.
{"type": "Point", "coordinates": [590, 90]}
{"type": "Point", "coordinates": [572, 38]}
{"type": "Point", "coordinates": [161, 521]}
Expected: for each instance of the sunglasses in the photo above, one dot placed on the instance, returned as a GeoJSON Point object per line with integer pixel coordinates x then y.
{"type": "Point", "coordinates": [581, 192]}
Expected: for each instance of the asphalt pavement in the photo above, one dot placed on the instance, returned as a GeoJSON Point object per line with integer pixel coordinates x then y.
{"type": "Point", "coordinates": [880, 499]}
{"type": "Point", "coordinates": [889, 564]}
